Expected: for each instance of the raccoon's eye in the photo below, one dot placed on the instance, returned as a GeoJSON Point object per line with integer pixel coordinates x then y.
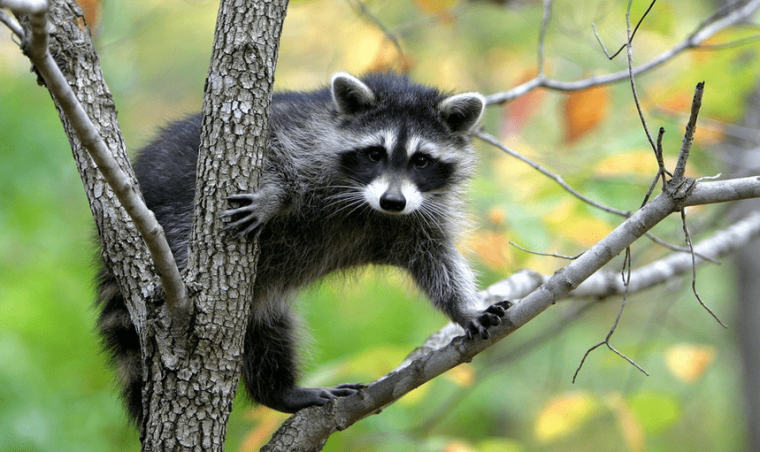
{"type": "Point", "coordinates": [375, 153]}
{"type": "Point", "coordinates": [420, 160]}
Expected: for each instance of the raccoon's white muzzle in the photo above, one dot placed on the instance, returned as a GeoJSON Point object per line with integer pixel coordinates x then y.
{"type": "Point", "coordinates": [401, 197]}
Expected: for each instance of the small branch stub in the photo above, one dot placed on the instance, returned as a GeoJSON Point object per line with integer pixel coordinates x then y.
{"type": "Point", "coordinates": [691, 127]}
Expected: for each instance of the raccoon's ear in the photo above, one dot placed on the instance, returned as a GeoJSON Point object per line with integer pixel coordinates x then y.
{"type": "Point", "coordinates": [462, 112]}
{"type": "Point", "coordinates": [350, 94]}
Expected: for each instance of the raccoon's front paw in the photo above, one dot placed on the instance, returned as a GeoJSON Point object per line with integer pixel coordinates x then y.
{"type": "Point", "coordinates": [251, 216]}
{"type": "Point", "coordinates": [490, 317]}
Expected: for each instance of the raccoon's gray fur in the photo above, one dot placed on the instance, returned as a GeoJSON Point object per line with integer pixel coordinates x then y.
{"type": "Point", "coordinates": [364, 172]}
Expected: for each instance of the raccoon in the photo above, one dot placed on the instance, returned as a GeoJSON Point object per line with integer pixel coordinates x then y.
{"type": "Point", "coordinates": [366, 171]}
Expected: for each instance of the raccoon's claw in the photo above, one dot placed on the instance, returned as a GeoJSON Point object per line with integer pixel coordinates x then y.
{"type": "Point", "coordinates": [298, 397]}
{"type": "Point", "coordinates": [491, 316]}
{"type": "Point", "coordinates": [249, 220]}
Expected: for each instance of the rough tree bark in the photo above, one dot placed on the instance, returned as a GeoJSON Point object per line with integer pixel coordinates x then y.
{"type": "Point", "coordinates": [220, 270]}
{"type": "Point", "coordinates": [191, 369]}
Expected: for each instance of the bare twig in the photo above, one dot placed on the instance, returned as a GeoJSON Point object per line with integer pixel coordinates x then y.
{"type": "Point", "coordinates": [641, 20]}
{"type": "Point", "coordinates": [542, 36]}
{"type": "Point", "coordinates": [626, 279]}
{"type": "Point", "coordinates": [704, 31]}
{"type": "Point", "coordinates": [560, 256]}
{"type": "Point", "coordinates": [661, 171]}
{"type": "Point", "coordinates": [694, 271]}
{"type": "Point", "coordinates": [490, 139]}
{"type": "Point", "coordinates": [680, 249]}
{"type": "Point", "coordinates": [496, 360]}
{"type": "Point", "coordinates": [691, 127]}
{"type": "Point", "coordinates": [732, 130]}
{"type": "Point", "coordinates": [559, 180]}
{"type": "Point", "coordinates": [361, 8]}
{"type": "Point", "coordinates": [343, 412]}
{"type": "Point", "coordinates": [11, 24]}
{"type": "Point", "coordinates": [632, 78]}
{"type": "Point", "coordinates": [723, 17]}
{"type": "Point", "coordinates": [732, 44]}
{"type": "Point", "coordinates": [603, 284]}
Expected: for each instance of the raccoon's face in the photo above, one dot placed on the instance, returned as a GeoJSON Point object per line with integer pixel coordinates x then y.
{"type": "Point", "coordinates": [397, 172]}
{"type": "Point", "coordinates": [412, 143]}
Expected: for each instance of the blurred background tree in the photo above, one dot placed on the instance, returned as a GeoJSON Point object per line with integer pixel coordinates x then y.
{"type": "Point", "coordinates": [57, 393]}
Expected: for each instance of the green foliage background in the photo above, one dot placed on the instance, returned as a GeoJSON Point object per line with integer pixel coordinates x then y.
{"type": "Point", "coordinates": [57, 392]}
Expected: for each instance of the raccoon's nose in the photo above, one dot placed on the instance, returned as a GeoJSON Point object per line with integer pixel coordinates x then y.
{"type": "Point", "coordinates": [392, 201]}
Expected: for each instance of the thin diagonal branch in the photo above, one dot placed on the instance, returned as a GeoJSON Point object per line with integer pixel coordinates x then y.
{"type": "Point", "coordinates": [630, 38]}
{"type": "Point", "coordinates": [490, 139]}
{"type": "Point", "coordinates": [35, 46]}
{"type": "Point", "coordinates": [11, 24]}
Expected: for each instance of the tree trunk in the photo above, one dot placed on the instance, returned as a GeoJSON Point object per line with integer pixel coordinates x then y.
{"type": "Point", "coordinates": [190, 371]}
{"type": "Point", "coordinates": [189, 396]}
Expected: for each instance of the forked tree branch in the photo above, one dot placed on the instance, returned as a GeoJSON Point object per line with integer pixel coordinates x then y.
{"type": "Point", "coordinates": [605, 284]}
{"type": "Point", "coordinates": [313, 426]}
{"type": "Point", "coordinates": [35, 46]}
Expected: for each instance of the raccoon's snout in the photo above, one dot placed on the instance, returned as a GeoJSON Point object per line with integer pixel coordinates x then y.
{"type": "Point", "coordinates": [394, 198]}
{"type": "Point", "coordinates": [393, 201]}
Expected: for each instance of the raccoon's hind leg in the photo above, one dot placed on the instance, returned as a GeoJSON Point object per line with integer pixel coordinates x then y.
{"type": "Point", "coordinates": [269, 368]}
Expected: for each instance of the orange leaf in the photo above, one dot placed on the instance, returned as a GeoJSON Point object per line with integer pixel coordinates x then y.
{"type": "Point", "coordinates": [434, 6]}
{"type": "Point", "coordinates": [583, 110]}
{"type": "Point", "coordinates": [91, 10]}
{"type": "Point", "coordinates": [630, 426]}
{"type": "Point", "coordinates": [388, 58]}
{"type": "Point", "coordinates": [267, 422]}
{"type": "Point", "coordinates": [492, 248]}
{"type": "Point", "coordinates": [519, 111]}
{"type": "Point", "coordinates": [497, 216]}
{"type": "Point", "coordinates": [457, 446]}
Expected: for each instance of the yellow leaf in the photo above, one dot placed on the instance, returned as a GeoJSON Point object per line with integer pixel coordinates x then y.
{"type": "Point", "coordinates": [587, 231]}
{"type": "Point", "coordinates": [564, 415]}
{"type": "Point", "coordinates": [583, 110]}
{"type": "Point", "coordinates": [640, 161]}
{"type": "Point", "coordinates": [630, 427]}
{"type": "Point", "coordinates": [688, 362]}
{"type": "Point", "coordinates": [377, 360]}
{"type": "Point", "coordinates": [707, 136]}
{"type": "Point", "coordinates": [577, 225]}
{"type": "Point", "coordinates": [364, 48]}
{"type": "Point", "coordinates": [388, 58]}
{"type": "Point", "coordinates": [462, 375]}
